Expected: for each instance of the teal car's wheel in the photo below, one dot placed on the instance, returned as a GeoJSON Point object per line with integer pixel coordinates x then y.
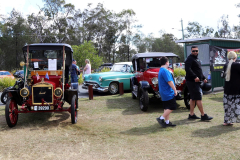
{"type": "Point", "coordinates": [113, 88]}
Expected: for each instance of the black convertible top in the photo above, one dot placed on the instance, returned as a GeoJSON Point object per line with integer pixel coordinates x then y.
{"type": "Point", "coordinates": [153, 54]}
{"type": "Point", "coordinates": [48, 46]}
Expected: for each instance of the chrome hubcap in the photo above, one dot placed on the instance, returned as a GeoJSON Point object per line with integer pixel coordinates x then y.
{"type": "Point", "coordinates": [114, 88]}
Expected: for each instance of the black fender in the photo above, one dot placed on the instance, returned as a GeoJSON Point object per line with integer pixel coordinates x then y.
{"type": "Point", "coordinates": [7, 88]}
{"type": "Point", "coordinates": [69, 93]}
{"type": "Point", "coordinates": [15, 94]}
{"type": "Point", "coordinates": [144, 85]}
{"type": "Point", "coordinates": [133, 81]}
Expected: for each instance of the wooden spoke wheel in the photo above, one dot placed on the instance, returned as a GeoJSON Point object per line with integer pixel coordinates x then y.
{"type": "Point", "coordinates": [11, 112]}
{"type": "Point", "coordinates": [74, 112]}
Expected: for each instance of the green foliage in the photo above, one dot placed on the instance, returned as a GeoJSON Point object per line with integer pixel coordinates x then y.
{"type": "Point", "coordinates": [195, 30]}
{"type": "Point", "coordinates": [86, 51]}
{"type": "Point", "coordinates": [6, 82]}
{"type": "Point", "coordinates": [80, 80]}
{"type": "Point", "coordinates": [179, 72]}
{"type": "Point", "coordinates": [166, 43]}
{"type": "Point", "coordinates": [105, 69]}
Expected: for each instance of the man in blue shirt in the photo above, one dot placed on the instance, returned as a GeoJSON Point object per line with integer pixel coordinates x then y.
{"type": "Point", "coordinates": [74, 76]}
{"type": "Point", "coordinates": [167, 91]}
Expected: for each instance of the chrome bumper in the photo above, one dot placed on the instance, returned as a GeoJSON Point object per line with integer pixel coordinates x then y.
{"type": "Point", "coordinates": [95, 87]}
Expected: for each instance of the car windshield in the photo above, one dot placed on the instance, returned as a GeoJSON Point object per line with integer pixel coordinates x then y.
{"type": "Point", "coordinates": [5, 73]}
{"type": "Point", "coordinates": [121, 68]}
{"type": "Point", "coordinates": [45, 59]}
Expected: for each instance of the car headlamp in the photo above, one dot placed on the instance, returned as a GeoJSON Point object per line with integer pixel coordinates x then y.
{"type": "Point", "coordinates": [155, 80]}
{"type": "Point", "coordinates": [179, 80]}
{"type": "Point", "coordinates": [100, 79]}
{"type": "Point", "coordinates": [24, 92]}
{"type": "Point", "coordinates": [58, 92]}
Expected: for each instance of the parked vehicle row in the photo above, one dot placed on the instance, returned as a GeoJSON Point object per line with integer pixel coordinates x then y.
{"type": "Point", "coordinates": [44, 86]}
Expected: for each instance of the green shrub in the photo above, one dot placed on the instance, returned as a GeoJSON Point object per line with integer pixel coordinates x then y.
{"type": "Point", "coordinates": [6, 82]}
{"type": "Point", "coordinates": [80, 80]}
{"type": "Point", "coordinates": [179, 72]}
{"type": "Point", "coordinates": [105, 69]}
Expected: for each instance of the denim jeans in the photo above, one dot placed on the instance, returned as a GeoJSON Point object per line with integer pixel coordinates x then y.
{"type": "Point", "coordinates": [74, 85]}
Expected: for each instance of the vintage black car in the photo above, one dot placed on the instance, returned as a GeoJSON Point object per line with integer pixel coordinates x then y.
{"type": "Point", "coordinates": [45, 85]}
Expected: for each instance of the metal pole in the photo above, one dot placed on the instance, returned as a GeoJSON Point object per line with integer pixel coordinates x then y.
{"type": "Point", "coordinates": [63, 72]}
{"type": "Point", "coordinates": [121, 92]}
{"type": "Point", "coordinates": [182, 29]}
{"type": "Point", "coordinates": [90, 92]}
{"type": "Point", "coordinates": [128, 53]}
{"type": "Point", "coordinates": [185, 54]}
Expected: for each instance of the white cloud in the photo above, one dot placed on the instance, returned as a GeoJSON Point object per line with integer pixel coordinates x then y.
{"type": "Point", "coordinates": [8, 5]}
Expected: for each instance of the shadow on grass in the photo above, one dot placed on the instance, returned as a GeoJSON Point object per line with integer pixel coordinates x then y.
{"type": "Point", "coordinates": [131, 106]}
{"type": "Point", "coordinates": [218, 99]}
{"type": "Point", "coordinates": [186, 121]}
{"type": "Point", "coordinates": [145, 130]}
{"type": "Point", "coordinates": [36, 120]}
{"type": "Point", "coordinates": [214, 131]}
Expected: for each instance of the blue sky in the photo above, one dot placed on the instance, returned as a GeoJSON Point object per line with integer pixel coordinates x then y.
{"type": "Point", "coordinates": [154, 15]}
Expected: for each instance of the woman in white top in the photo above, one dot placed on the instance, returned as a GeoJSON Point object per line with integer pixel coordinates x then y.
{"type": "Point", "coordinates": [87, 68]}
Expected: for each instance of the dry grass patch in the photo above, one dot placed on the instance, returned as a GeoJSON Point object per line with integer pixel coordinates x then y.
{"type": "Point", "coordinates": [113, 127]}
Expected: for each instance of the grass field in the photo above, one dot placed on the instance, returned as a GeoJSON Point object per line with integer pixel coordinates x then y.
{"type": "Point", "coordinates": [113, 127]}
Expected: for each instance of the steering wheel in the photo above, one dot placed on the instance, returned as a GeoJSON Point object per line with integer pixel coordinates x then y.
{"type": "Point", "coordinates": [43, 66]}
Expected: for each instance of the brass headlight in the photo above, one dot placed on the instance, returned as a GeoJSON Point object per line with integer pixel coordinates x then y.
{"type": "Point", "coordinates": [24, 92]}
{"type": "Point", "coordinates": [58, 92]}
{"type": "Point", "coordinates": [22, 63]}
{"type": "Point", "coordinates": [155, 80]}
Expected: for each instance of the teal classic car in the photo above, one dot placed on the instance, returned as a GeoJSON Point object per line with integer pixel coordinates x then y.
{"type": "Point", "coordinates": [109, 81]}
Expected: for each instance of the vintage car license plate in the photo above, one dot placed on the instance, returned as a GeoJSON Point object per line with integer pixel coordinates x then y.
{"type": "Point", "coordinates": [41, 108]}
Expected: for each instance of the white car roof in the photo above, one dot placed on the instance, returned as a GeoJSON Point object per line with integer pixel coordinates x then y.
{"type": "Point", "coordinates": [129, 63]}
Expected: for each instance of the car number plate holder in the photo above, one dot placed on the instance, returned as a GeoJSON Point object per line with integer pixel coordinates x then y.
{"type": "Point", "coordinates": [41, 108]}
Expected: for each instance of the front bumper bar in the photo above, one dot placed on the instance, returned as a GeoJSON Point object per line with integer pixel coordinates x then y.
{"type": "Point", "coordinates": [95, 87]}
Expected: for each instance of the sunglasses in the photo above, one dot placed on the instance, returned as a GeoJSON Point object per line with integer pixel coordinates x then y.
{"type": "Point", "coordinates": [194, 50]}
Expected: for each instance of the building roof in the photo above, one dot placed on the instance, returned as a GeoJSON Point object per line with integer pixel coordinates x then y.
{"type": "Point", "coordinates": [205, 39]}
{"type": "Point", "coordinates": [153, 54]}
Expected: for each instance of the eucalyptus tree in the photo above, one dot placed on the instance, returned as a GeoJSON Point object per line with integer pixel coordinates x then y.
{"type": "Point", "coordinates": [38, 25]}
{"type": "Point", "coordinates": [236, 29]}
{"type": "Point", "coordinates": [126, 33]}
{"type": "Point", "coordinates": [14, 35]}
{"type": "Point", "coordinates": [138, 41]}
{"type": "Point", "coordinates": [224, 30]}
{"type": "Point", "coordinates": [195, 30]}
{"type": "Point", "coordinates": [59, 16]}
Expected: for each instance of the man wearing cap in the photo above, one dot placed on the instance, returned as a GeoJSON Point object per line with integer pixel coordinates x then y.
{"type": "Point", "coordinates": [74, 76]}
